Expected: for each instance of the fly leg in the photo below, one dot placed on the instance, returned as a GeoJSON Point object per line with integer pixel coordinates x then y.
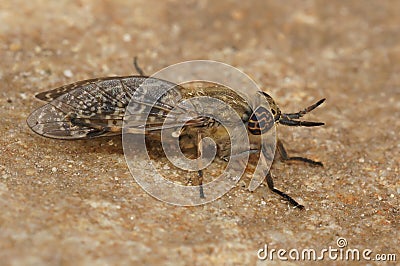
{"type": "Point", "coordinates": [200, 165]}
{"type": "Point", "coordinates": [137, 67]}
{"type": "Point", "coordinates": [95, 130]}
{"type": "Point", "coordinates": [251, 151]}
{"type": "Point", "coordinates": [270, 183]}
{"type": "Point", "coordinates": [286, 157]}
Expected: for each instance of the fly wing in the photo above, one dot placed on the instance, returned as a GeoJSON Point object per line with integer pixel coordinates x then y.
{"type": "Point", "coordinates": [51, 95]}
{"type": "Point", "coordinates": [96, 107]}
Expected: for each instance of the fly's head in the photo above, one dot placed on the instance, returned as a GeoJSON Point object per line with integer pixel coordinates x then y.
{"type": "Point", "coordinates": [263, 119]}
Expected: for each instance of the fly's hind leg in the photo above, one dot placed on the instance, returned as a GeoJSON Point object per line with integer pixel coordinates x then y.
{"type": "Point", "coordinates": [95, 131]}
{"type": "Point", "coordinates": [137, 67]}
{"type": "Point", "coordinates": [286, 157]}
{"type": "Point", "coordinates": [251, 151]}
{"type": "Point", "coordinates": [270, 183]}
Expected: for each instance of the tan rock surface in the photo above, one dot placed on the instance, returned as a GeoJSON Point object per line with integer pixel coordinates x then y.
{"type": "Point", "coordinates": [75, 203]}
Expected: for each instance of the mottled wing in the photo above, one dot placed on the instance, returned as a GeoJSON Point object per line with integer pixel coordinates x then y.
{"type": "Point", "coordinates": [96, 107]}
{"type": "Point", "coordinates": [51, 95]}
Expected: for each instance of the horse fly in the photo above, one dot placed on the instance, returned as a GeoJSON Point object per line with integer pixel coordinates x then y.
{"type": "Point", "coordinates": [96, 108]}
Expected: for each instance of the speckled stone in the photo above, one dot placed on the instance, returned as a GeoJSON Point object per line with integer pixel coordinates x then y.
{"type": "Point", "coordinates": [75, 203]}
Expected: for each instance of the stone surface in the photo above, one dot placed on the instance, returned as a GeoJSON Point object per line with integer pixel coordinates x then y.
{"type": "Point", "coordinates": [75, 203]}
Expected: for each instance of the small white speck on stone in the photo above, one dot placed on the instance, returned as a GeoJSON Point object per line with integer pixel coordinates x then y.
{"type": "Point", "coordinates": [392, 196]}
{"type": "Point", "coordinates": [30, 172]}
{"type": "Point", "coordinates": [42, 72]}
{"type": "Point", "coordinates": [287, 79]}
{"type": "Point", "coordinates": [379, 198]}
{"type": "Point", "coordinates": [68, 73]}
{"type": "Point", "coordinates": [23, 96]}
{"type": "Point", "coordinates": [361, 160]}
{"type": "Point", "coordinates": [38, 49]}
{"type": "Point", "coordinates": [127, 37]}
{"type": "Point", "coordinates": [263, 203]}
{"type": "Point", "coordinates": [54, 169]}
{"type": "Point", "coordinates": [176, 29]}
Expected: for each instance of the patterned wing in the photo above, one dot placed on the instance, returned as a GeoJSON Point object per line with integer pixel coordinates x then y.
{"type": "Point", "coordinates": [96, 107]}
{"type": "Point", "coordinates": [51, 95]}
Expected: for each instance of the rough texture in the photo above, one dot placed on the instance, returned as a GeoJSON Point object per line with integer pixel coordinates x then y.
{"type": "Point", "coordinates": [75, 202]}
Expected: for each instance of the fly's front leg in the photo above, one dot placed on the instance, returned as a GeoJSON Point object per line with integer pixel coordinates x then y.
{"type": "Point", "coordinates": [286, 157]}
{"type": "Point", "coordinates": [269, 180]}
{"type": "Point", "coordinates": [270, 183]}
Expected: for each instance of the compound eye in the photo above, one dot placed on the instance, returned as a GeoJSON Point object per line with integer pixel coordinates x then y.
{"type": "Point", "coordinates": [261, 121]}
